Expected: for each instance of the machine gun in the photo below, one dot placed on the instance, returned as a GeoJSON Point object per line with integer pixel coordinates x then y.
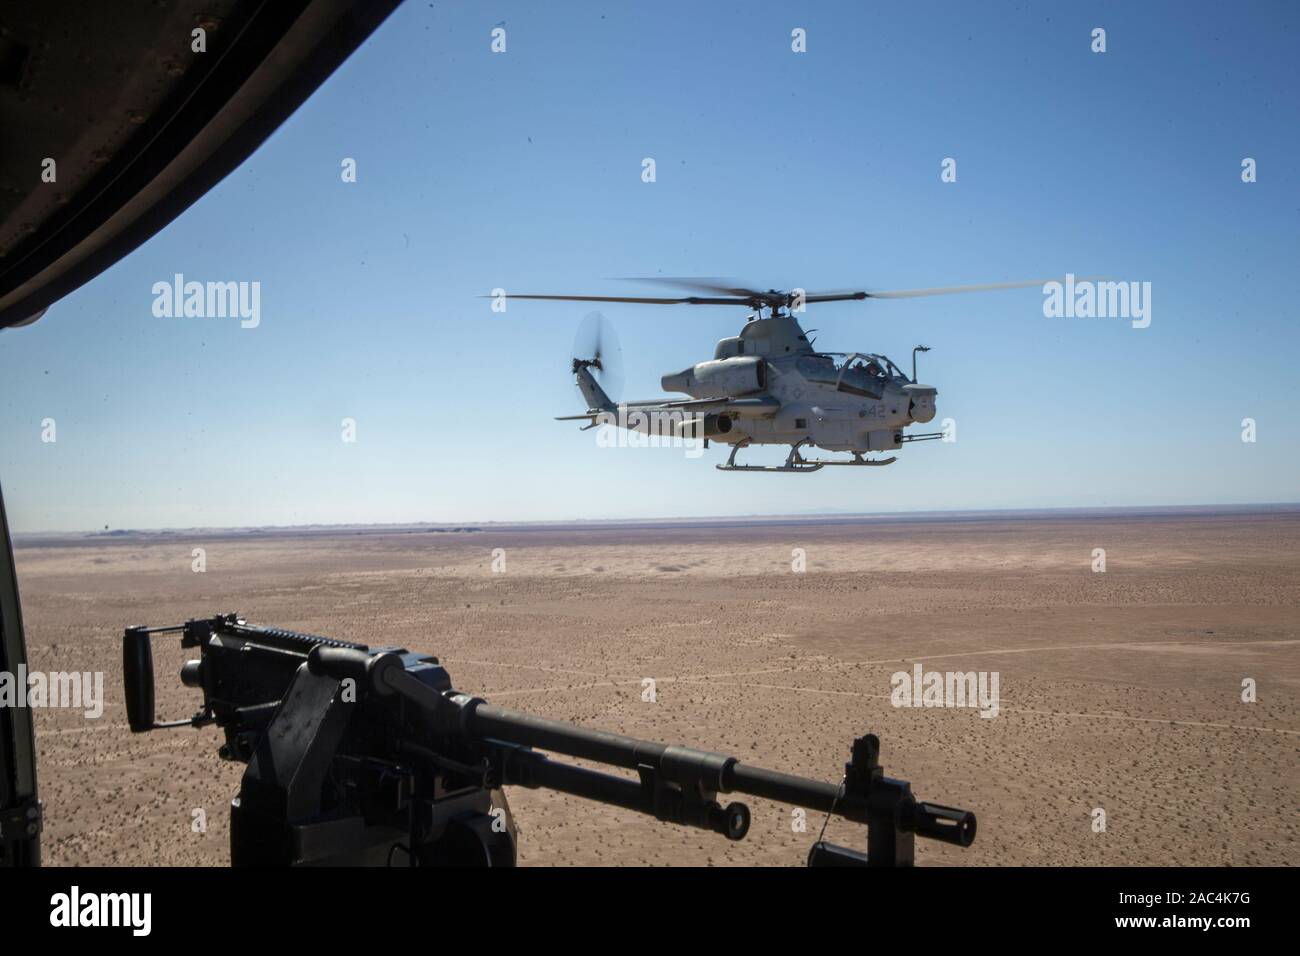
{"type": "Point", "coordinates": [361, 756]}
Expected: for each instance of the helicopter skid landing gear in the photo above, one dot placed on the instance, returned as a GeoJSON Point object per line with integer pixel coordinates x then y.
{"type": "Point", "coordinates": [793, 462]}
{"type": "Point", "coordinates": [857, 459]}
{"type": "Point", "coordinates": [796, 462]}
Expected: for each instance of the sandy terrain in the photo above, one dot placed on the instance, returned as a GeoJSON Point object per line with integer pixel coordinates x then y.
{"type": "Point", "coordinates": [1119, 690]}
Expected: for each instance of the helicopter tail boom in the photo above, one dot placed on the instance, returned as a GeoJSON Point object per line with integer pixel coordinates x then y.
{"type": "Point", "coordinates": [592, 393]}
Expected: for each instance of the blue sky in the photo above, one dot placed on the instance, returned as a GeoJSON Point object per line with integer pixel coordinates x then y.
{"type": "Point", "coordinates": [522, 170]}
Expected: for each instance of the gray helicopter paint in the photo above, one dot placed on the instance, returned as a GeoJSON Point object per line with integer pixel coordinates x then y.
{"type": "Point", "coordinates": [774, 388]}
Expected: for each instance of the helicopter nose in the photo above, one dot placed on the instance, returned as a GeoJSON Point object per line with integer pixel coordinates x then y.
{"type": "Point", "coordinates": [922, 404]}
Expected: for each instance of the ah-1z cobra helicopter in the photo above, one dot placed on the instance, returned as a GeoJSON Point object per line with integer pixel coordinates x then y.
{"type": "Point", "coordinates": [769, 386]}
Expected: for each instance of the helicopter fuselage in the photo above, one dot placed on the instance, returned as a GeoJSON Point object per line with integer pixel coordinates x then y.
{"type": "Point", "coordinates": [768, 385]}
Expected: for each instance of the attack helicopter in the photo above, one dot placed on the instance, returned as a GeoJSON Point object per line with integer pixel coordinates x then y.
{"type": "Point", "coordinates": [767, 385]}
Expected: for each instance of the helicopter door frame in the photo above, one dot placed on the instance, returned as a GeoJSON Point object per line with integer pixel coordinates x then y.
{"type": "Point", "coordinates": [844, 367]}
{"type": "Point", "coordinates": [20, 810]}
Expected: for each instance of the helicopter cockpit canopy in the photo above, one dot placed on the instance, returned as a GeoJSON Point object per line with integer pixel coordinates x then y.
{"type": "Point", "coordinates": [858, 373]}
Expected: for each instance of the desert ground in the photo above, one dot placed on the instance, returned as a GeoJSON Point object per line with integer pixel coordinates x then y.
{"type": "Point", "coordinates": [1119, 690]}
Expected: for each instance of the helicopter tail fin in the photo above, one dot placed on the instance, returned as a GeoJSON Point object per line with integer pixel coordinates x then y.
{"type": "Point", "coordinates": [592, 393]}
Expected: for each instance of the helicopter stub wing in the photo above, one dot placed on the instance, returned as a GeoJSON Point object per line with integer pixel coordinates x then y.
{"type": "Point", "coordinates": [764, 407]}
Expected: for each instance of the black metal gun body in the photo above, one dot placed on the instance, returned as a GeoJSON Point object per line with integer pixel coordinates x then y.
{"type": "Point", "coordinates": [369, 756]}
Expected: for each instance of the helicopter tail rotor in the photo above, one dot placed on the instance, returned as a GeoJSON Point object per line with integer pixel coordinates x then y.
{"type": "Point", "coordinates": [597, 363]}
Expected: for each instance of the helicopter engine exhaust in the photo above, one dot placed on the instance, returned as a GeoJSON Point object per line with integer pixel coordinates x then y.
{"type": "Point", "coordinates": [707, 426]}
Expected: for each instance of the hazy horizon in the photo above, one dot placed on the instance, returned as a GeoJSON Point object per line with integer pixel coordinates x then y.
{"type": "Point", "coordinates": [433, 526]}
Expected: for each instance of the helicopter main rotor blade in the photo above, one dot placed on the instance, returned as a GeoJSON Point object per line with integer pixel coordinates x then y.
{"type": "Point", "coordinates": [643, 300]}
{"type": "Point", "coordinates": [952, 289]}
{"type": "Point", "coordinates": [771, 296]}
{"type": "Point", "coordinates": [727, 287]}
{"type": "Point", "coordinates": [836, 296]}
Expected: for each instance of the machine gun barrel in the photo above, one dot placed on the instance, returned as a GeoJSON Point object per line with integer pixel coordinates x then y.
{"type": "Point", "coordinates": [945, 824]}
{"type": "Point", "coordinates": [685, 764]}
{"type": "Point", "coordinates": [677, 783]}
{"type": "Point", "coordinates": [706, 771]}
{"type": "Point", "coordinates": [787, 788]}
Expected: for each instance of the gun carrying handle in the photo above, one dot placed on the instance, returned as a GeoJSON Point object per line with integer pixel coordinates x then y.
{"type": "Point", "coordinates": [137, 678]}
{"type": "Point", "coordinates": [383, 674]}
{"type": "Point", "coordinates": [347, 663]}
